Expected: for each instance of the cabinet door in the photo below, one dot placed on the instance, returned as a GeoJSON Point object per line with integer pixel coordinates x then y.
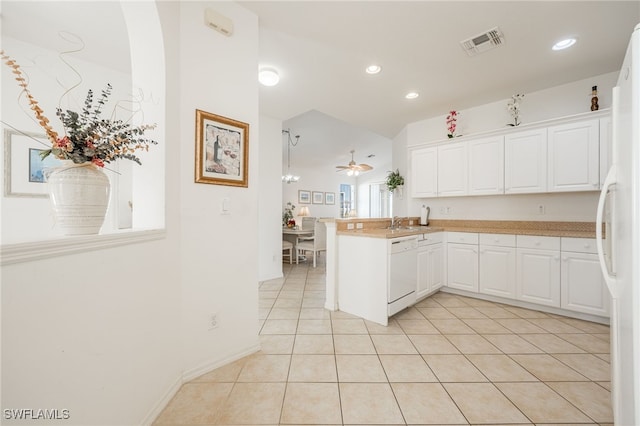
{"type": "Point", "coordinates": [423, 273]}
{"type": "Point", "coordinates": [498, 271]}
{"type": "Point", "coordinates": [486, 166]}
{"type": "Point", "coordinates": [582, 285]}
{"type": "Point", "coordinates": [462, 266]}
{"type": "Point", "coordinates": [538, 276]}
{"type": "Point", "coordinates": [525, 162]}
{"type": "Point", "coordinates": [424, 172]}
{"type": "Point", "coordinates": [452, 169]}
{"type": "Point", "coordinates": [574, 157]}
{"type": "Point", "coordinates": [435, 259]}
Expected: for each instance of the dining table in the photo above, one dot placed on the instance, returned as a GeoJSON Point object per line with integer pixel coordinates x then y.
{"type": "Point", "coordinates": [294, 235]}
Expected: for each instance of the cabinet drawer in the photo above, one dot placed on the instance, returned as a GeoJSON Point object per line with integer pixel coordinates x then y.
{"type": "Point", "coordinates": [503, 240]}
{"type": "Point", "coordinates": [579, 245]}
{"type": "Point", "coordinates": [462, 237]}
{"type": "Point", "coordinates": [432, 238]}
{"type": "Point", "coordinates": [536, 242]}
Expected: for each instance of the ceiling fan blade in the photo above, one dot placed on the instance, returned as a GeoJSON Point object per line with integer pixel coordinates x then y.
{"type": "Point", "coordinates": [342, 167]}
{"type": "Point", "coordinates": [364, 167]}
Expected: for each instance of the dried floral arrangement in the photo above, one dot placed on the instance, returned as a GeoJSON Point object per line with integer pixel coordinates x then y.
{"type": "Point", "coordinates": [451, 123]}
{"type": "Point", "coordinates": [87, 136]}
{"type": "Point", "coordinates": [513, 106]}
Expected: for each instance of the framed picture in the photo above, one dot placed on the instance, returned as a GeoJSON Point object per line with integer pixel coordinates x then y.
{"type": "Point", "coordinates": [318, 197]}
{"type": "Point", "coordinates": [304, 197]}
{"type": "Point", "coordinates": [222, 150]}
{"type": "Point", "coordinates": [329, 197]}
{"type": "Point", "coordinates": [24, 171]}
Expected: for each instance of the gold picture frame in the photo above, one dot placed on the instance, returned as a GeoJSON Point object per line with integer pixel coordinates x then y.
{"type": "Point", "coordinates": [222, 150]}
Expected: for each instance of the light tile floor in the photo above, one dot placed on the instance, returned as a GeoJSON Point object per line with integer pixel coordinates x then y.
{"type": "Point", "coordinates": [449, 360]}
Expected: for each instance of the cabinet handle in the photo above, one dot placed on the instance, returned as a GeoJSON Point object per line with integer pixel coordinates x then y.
{"type": "Point", "coordinates": [564, 259]}
{"type": "Point", "coordinates": [556, 258]}
{"type": "Point", "coordinates": [537, 243]}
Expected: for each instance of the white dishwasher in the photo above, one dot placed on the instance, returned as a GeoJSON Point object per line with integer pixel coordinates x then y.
{"type": "Point", "coordinates": [403, 274]}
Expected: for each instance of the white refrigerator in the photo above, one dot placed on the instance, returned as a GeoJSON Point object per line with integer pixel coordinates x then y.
{"type": "Point", "coordinates": [619, 252]}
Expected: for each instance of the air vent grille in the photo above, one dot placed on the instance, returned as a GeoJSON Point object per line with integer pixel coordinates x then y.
{"type": "Point", "coordinates": [482, 42]}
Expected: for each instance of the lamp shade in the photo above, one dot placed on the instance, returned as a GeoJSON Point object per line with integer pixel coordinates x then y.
{"type": "Point", "coordinates": [304, 211]}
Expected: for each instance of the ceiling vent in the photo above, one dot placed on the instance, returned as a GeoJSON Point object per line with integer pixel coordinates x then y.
{"type": "Point", "coordinates": [483, 42]}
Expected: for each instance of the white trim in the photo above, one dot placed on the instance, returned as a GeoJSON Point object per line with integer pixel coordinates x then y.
{"type": "Point", "coordinates": [157, 409]}
{"type": "Point", "coordinates": [36, 250]}
{"type": "Point", "coordinates": [208, 366]}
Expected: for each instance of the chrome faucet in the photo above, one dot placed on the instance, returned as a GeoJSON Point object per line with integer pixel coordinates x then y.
{"type": "Point", "coordinates": [395, 222]}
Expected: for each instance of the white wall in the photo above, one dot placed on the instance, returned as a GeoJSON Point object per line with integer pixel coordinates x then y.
{"type": "Point", "coordinates": [219, 273]}
{"type": "Point", "coordinates": [319, 180]}
{"type": "Point", "coordinates": [270, 200]}
{"type": "Point", "coordinates": [98, 332]}
{"type": "Point", "coordinates": [110, 334]}
{"type": "Point", "coordinates": [565, 100]}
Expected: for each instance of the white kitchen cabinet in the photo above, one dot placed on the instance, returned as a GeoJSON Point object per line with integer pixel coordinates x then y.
{"type": "Point", "coordinates": [424, 172]}
{"type": "Point", "coordinates": [574, 156]}
{"type": "Point", "coordinates": [462, 261]}
{"type": "Point", "coordinates": [452, 169]}
{"type": "Point", "coordinates": [605, 148]}
{"type": "Point", "coordinates": [430, 265]}
{"type": "Point", "coordinates": [538, 270]}
{"type": "Point", "coordinates": [582, 285]}
{"type": "Point", "coordinates": [525, 162]}
{"type": "Point", "coordinates": [497, 268]}
{"type": "Point", "coordinates": [486, 166]}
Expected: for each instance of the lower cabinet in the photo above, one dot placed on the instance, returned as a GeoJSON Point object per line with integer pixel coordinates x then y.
{"type": "Point", "coordinates": [462, 261]}
{"type": "Point", "coordinates": [582, 284]}
{"type": "Point", "coordinates": [538, 270]}
{"type": "Point", "coordinates": [430, 269]}
{"type": "Point", "coordinates": [497, 274]}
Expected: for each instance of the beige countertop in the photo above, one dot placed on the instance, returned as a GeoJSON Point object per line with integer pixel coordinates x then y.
{"type": "Point", "coordinates": [547, 229]}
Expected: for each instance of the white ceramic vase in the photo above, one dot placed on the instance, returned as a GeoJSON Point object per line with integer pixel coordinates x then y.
{"type": "Point", "coordinates": [79, 195]}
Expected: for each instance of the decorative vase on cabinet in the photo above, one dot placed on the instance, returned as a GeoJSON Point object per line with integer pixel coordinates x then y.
{"type": "Point", "coordinates": [79, 196]}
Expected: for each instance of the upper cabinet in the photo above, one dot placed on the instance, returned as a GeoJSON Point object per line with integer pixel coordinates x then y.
{"type": "Point", "coordinates": [573, 151]}
{"type": "Point", "coordinates": [424, 172]}
{"type": "Point", "coordinates": [525, 162]}
{"type": "Point", "coordinates": [562, 155]}
{"type": "Point", "coordinates": [452, 169]}
{"type": "Point", "coordinates": [486, 166]}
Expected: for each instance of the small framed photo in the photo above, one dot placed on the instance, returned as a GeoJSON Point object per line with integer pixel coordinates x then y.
{"type": "Point", "coordinates": [24, 170]}
{"type": "Point", "coordinates": [304, 197]}
{"type": "Point", "coordinates": [329, 197]}
{"type": "Point", "coordinates": [222, 150]}
{"type": "Point", "coordinates": [318, 197]}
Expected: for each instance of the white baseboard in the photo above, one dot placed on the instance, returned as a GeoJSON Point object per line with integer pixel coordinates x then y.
{"type": "Point", "coordinates": [213, 364]}
{"type": "Point", "coordinates": [189, 375]}
{"type": "Point", "coordinates": [153, 414]}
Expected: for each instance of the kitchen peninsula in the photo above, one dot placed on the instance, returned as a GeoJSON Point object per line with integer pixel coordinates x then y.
{"type": "Point", "coordinates": [549, 266]}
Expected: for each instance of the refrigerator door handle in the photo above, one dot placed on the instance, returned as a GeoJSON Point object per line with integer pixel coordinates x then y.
{"type": "Point", "coordinates": [609, 277]}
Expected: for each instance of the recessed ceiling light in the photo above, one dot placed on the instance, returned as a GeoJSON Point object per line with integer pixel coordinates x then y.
{"type": "Point", "coordinates": [373, 69]}
{"type": "Point", "coordinates": [268, 76]}
{"type": "Point", "coordinates": [563, 44]}
{"type": "Point", "coordinates": [411, 95]}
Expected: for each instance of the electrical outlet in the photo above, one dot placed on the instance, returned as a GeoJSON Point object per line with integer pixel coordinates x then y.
{"type": "Point", "coordinates": [410, 223]}
{"type": "Point", "coordinates": [213, 321]}
{"type": "Point", "coordinates": [541, 209]}
{"type": "Point", "coordinates": [349, 225]}
{"type": "Point", "coordinates": [359, 225]}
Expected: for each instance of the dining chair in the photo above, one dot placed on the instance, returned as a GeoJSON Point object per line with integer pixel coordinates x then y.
{"type": "Point", "coordinates": [317, 244]}
{"type": "Point", "coordinates": [287, 246]}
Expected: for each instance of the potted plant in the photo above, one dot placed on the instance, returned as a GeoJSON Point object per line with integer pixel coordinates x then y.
{"type": "Point", "coordinates": [287, 215]}
{"type": "Point", "coordinates": [394, 180]}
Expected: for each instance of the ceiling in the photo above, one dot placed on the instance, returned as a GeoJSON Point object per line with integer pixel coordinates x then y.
{"type": "Point", "coordinates": [321, 49]}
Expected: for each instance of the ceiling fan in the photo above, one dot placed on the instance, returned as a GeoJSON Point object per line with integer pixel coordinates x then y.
{"type": "Point", "coordinates": [354, 169]}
